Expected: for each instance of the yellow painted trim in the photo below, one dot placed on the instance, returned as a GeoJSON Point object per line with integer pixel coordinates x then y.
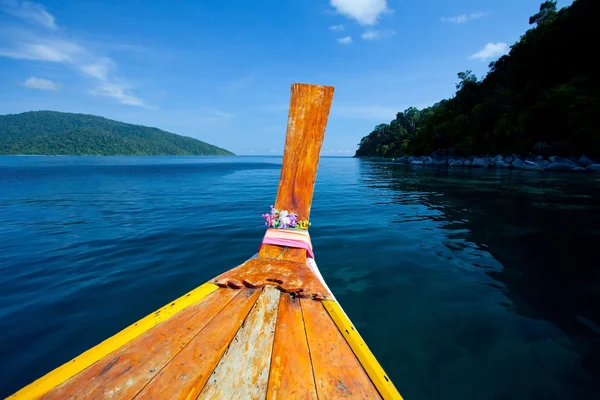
{"type": "Point", "coordinates": [78, 364]}
{"type": "Point", "coordinates": [384, 385]}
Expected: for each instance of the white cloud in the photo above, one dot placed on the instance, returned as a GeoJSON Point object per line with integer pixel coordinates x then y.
{"type": "Point", "coordinates": [345, 40]}
{"type": "Point", "coordinates": [40, 84]}
{"type": "Point", "coordinates": [366, 12]}
{"type": "Point", "coordinates": [118, 92]}
{"type": "Point", "coordinates": [461, 19]}
{"type": "Point", "coordinates": [55, 47]}
{"type": "Point", "coordinates": [44, 50]}
{"type": "Point", "coordinates": [98, 70]}
{"type": "Point", "coordinates": [366, 112]}
{"type": "Point", "coordinates": [29, 11]}
{"type": "Point", "coordinates": [371, 34]}
{"type": "Point", "coordinates": [337, 28]}
{"type": "Point", "coordinates": [490, 50]}
{"type": "Point", "coordinates": [211, 116]}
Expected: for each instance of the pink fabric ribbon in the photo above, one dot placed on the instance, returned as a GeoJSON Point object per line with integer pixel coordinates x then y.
{"type": "Point", "coordinates": [297, 239]}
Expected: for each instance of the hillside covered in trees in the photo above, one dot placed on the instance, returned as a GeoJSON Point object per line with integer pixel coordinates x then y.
{"type": "Point", "coordinates": [543, 97]}
{"type": "Point", "coordinates": [56, 133]}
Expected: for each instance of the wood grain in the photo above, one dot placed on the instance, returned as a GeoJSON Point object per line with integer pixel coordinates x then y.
{"type": "Point", "coordinates": [291, 375]}
{"type": "Point", "coordinates": [287, 276]}
{"type": "Point", "coordinates": [338, 373]}
{"type": "Point", "coordinates": [283, 253]}
{"type": "Point", "coordinates": [307, 119]}
{"type": "Point", "coordinates": [122, 374]}
{"type": "Point", "coordinates": [112, 344]}
{"type": "Point", "coordinates": [186, 374]}
{"type": "Point", "coordinates": [243, 372]}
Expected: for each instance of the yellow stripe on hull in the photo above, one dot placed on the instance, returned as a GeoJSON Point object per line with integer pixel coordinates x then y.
{"type": "Point", "coordinates": [384, 385]}
{"type": "Point", "coordinates": [78, 364]}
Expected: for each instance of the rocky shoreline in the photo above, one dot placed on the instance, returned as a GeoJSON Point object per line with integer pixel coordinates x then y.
{"type": "Point", "coordinates": [529, 163]}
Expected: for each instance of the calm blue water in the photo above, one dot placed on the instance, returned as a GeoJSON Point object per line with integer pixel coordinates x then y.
{"type": "Point", "coordinates": [477, 284]}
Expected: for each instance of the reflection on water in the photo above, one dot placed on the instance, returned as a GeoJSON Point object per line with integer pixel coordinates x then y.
{"type": "Point", "coordinates": [536, 236]}
{"type": "Point", "coordinates": [466, 284]}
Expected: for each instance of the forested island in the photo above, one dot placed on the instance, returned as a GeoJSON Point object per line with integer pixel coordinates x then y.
{"type": "Point", "coordinates": [57, 133]}
{"type": "Point", "coordinates": [540, 100]}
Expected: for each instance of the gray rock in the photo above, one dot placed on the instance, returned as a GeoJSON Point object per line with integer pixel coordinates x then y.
{"type": "Point", "coordinates": [508, 159]}
{"type": "Point", "coordinates": [543, 163]}
{"type": "Point", "coordinates": [422, 161]}
{"type": "Point", "coordinates": [455, 163]}
{"type": "Point", "coordinates": [498, 158]}
{"type": "Point", "coordinates": [467, 163]}
{"type": "Point", "coordinates": [526, 165]}
{"type": "Point", "coordinates": [578, 169]}
{"type": "Point", "coordinates": [441, 162]}
{"type": "Point", "coordinates": [539, 158]}
{"type": "Point", "coordinates": [584, 161]}
{"type": "Point", "coordinates": [411, 159]}
{"type": "Point", "coordinates": [593, 168]}
{"type": "Point", "coordinates": [401, 160]}
{"type": "Point", "coordinates": [479, 163]}
{"type": "Point", "coordinates": [558, 166]}
{"type": "Point", "coordinates": [504, 165]}
{"type": "Point", "coordinates": [563, 160]}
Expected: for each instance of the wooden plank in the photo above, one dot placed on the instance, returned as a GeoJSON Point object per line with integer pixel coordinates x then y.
{"type": "Point", "coordinates": [122, 374]}
{"type": "Point", "coordinates": [186, 374]}
{"type": "Point", "coordinates": [338, 373]}
{"type": "Point", "coordinates": [384, 385]}
{"type": "Point", "coordinates": [307, 119]}
{"type": "Point", "coordinates": [83, 361]}
{"type": "Point", "coordinates": [291, 375]}
{"type": "Point", "coordinates": [243, 372]}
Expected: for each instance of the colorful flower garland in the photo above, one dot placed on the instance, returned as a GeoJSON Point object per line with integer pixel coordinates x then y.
{"type": "Point", "coordinates": [284, 220]}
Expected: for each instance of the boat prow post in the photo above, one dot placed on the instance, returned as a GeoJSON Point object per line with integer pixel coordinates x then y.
{"type": "Point", "coordinates": [307, 119]}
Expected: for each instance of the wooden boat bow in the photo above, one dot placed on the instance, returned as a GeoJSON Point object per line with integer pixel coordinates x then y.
{"type": "Point", "coordinates": [269, 328]}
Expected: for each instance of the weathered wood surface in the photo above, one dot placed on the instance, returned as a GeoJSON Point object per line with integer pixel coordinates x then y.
{"type": "Point", "coordinates": [272, 251]}
{"type": "Point", "coordinates": [291, 375]}
{"type": "Point", "coordinates": [112, 344]}
{"type": "Point", "coordinates": [288, 276]}
{"type": "Point", "coordinates": [187, 373]}
{"type": "Point", "coordinates": [307, 119]}
{"type": "Point", "coordinates": [123, 373]}
{"type": "Point", "coordinates": [338, 373]}
{"type": "Point", "coordinates": [243, 372]}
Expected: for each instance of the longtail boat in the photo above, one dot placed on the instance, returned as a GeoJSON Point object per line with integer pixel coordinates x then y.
{"type": "Point", "coordinates": [268, 328]}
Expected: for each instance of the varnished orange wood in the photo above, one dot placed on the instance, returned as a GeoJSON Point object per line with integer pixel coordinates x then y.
{"type": "Point", "coordinates": [287, 276]}
{"type": "Point", "coordinates": [282, 253]}
{"type": "Point", "coordinates": [307, 119]}
{"type": "Point", "coordinates": [338, 373]}
{"type": "Point", "coordinates": [187, 373]}
{"type": "Point", "coordinates": [291, 375]}
{"type": "Point", "coordinates": [123, 373]}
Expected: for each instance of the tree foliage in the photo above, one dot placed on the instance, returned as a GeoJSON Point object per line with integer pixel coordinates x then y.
{"type": "Point", "coordinates": [543, 96]}
{"type": "Point", "coordinates": [55, 133]}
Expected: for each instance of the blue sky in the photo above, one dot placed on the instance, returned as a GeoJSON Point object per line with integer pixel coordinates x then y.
{"type": "Point", "coordinates": [220, 71]}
